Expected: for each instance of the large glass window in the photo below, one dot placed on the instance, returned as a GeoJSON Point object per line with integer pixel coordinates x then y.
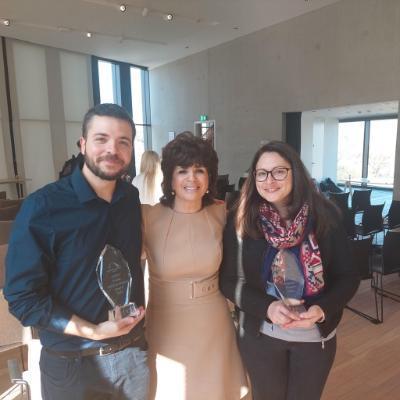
{"type": "Point", "coordinates": [382, 148]}
{"type": "Point", "coordinates": [126, 85]}
{"type": "Point", "coordinates": [350, 150]}
{"type": "Point", "coordinates": [366, 151]}
{"type": "Point", "coordinates": [138, 112]}
{"type": "Point", "coordinates": [108, 82]}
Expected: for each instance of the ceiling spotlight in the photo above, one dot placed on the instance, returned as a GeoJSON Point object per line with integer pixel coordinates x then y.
{"type": "Point", "coordinates": [122, 8]}
{"type": "Point", "coordinates": [168, 17]}
{"type": "Point", "coordinates": [6, 22]}
{"type": "Point", "coordinates": [89, 34]}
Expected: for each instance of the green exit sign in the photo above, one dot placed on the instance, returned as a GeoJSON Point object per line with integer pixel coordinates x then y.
{"type": "Point", "coordinates": [203, 117]}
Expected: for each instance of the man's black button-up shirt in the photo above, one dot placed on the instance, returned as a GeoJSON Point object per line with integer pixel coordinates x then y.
{"type": "Point", "coordinates": [53, 251]}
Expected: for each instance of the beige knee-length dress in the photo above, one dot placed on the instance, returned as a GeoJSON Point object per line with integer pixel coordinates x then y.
{"type": "Point", "coordinates": [192, 345]}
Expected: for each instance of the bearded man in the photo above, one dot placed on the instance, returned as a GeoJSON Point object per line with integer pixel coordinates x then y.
{"type": "Point", "coordinates": [52, 277]}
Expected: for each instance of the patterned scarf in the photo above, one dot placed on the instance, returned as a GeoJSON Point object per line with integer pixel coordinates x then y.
{"type": "Point", "coordinates": [281, 237]}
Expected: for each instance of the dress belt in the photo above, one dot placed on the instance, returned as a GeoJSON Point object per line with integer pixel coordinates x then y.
{"type": "Point", "coordinates": [96, 351]}
{"type": "Point", "coordinates": [184, 289]}
{"type": "Point", "coordinates": [205, 286]}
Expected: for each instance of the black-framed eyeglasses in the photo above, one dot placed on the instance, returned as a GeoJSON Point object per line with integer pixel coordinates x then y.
{"type": "Point", "coordinates": [278, 174]}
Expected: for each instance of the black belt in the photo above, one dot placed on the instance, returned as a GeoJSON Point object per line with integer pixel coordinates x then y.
{"type": "Point", "coordinates": [96, 351]}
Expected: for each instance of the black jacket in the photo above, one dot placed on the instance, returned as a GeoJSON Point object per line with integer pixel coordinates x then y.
{"type": "Point", "coordinates": [242, 283]}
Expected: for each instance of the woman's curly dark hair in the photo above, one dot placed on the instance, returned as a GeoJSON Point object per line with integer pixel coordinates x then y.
{"type": "Point", "coordinates": [184, 151]}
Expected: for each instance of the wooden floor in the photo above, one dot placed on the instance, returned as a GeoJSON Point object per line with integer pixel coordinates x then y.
{"type": "Point", "coordinates": [367, 365]}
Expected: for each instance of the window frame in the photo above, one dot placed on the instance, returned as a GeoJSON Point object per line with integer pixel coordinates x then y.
{"type": "Point", "coordinates": [367, 136]}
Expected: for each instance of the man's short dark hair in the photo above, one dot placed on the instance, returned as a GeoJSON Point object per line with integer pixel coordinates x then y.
{"type": "Point", "coordinates": [107, 110]}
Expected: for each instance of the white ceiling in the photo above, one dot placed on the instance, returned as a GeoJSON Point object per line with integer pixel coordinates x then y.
{"type": "Point", "coordinates": [357, 111]}
{"type": "Point", "coordinates": [140, 35]}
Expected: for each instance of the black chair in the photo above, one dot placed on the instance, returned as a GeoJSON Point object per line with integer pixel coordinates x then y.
{"type": "Point", "coordinates": [327, 185]}
{"type": "Point", "coordinates": [230, 188]}
{"type": "Point", "coordinates": [361, 253]}
{"type": "Point", "coordinates": [231, 199]}
{"type": "Point", "coordinates": [392, 219]}
{"type": "Point", "coordinates": [361, 199]}
{"type": "Point", "coordinates": [386, 264]}
{"type": "Point", "coordinates": [340, 199]}
{"type": "Point", "coordinates": [348, 216]}
{"type": "Point", "coordinates": [242, 179]}
{"type": "Point", "coordinates": [222, 185]}
{"type": "Point", "coordinates": [371, 222]}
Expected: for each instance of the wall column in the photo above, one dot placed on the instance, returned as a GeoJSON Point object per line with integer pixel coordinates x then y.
{"type": "Point", "coordinates": [396, 181]}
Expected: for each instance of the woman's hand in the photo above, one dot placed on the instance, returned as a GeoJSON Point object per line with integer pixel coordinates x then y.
{"type": "Point", "coordinates": [280, 314]}
{"type": "Point", "coordinates": [307, 318]}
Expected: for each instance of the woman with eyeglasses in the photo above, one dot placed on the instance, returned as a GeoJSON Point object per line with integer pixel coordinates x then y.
{"type": "Point", "coordinates": [287, 268]}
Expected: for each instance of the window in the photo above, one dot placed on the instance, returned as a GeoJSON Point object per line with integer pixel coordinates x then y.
{"type": "Point", "coordinates": [382, 148]}
{"type": "Point", "coordinates": [366, 150]}
{"type": "Point", "coordinates": [139, 85]}
{"type": "Point", "coordinates": [128, 86]}
{"type": "Point", "coordinates": [350, 150]}
{"type": "Point", "coordinates": [108, 82]}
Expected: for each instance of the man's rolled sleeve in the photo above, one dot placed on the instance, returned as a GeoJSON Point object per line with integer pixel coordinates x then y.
{"type": "Point", "coordinates": [29, 262]}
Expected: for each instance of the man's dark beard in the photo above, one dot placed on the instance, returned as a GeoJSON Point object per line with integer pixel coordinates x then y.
{"type": "Point", "coordinates": [99, 173]}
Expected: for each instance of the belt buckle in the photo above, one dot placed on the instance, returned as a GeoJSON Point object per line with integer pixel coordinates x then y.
{"type": "Point", "coordinates": [106, 350]}
{"type": "Point", "coordinates": [205, 287]}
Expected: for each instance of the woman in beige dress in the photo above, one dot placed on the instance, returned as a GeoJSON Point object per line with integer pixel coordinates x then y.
{"type": "Point", "coordinates": [192, 348]}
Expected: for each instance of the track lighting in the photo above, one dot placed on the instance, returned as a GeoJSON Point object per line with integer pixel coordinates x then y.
{"type": "Point", "coordinates": [122, 8]}
{"type": "Point", "coordinates": [88, 34]}
{"type": "Point", "coordinates": [6, 22]}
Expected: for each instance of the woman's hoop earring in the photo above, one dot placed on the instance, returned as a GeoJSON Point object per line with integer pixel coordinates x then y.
{"type": "Point", "coordinates": [172, 193]}
{"type": "Point", "coordinates": [207, 191]}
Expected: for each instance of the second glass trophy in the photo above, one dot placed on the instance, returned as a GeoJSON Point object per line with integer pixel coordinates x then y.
{"type": "Point", "coordinates": [289, 282]}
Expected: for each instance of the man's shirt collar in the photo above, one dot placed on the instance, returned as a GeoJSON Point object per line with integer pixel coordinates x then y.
{"type": "Point", "coordinates": [86, 193]}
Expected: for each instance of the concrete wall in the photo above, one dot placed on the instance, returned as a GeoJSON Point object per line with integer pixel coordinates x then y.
{"type": "Point", "coordinates": [180, 96]}
{"type": "Point", "coordinates": [330, 148]}
{"type": "Point", "coordinates": [396, 185]}
{"type": "Point", "coordinates": [346, 53]}
{"type": "Point", "coordinates": [50, 91]}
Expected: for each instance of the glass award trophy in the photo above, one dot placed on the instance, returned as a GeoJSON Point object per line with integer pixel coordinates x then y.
{"type": "Point", "coordinates": [289, 282]}
{"type": "Point", "coordinates": [115, 281]}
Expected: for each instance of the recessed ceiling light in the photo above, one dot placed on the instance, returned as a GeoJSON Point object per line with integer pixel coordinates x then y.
{"type": "Point", "coordinates": [122, 8]}
{"type": "Point", "coordinates": [89, 34]}
{"type": "Point", "coordinates": [6, 22]}
{"type": "Point", "coordinates": [236, 28]}
{"type": "Point", "coordinates": [168, 17]}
